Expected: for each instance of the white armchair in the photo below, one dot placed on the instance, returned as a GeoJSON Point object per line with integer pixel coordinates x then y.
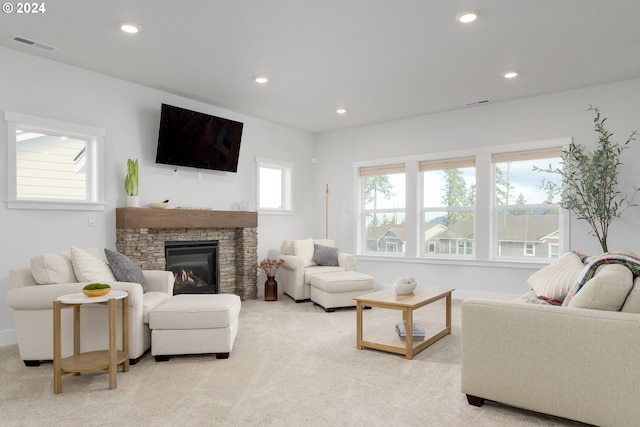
{"type": "Point", "coordinates": [299, 266]}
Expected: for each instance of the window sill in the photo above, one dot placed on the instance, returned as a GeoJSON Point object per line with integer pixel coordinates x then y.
{"type": "Point", "coordinates": [58, 205]}
{"type": "Point", "coordinates": [510, 263]}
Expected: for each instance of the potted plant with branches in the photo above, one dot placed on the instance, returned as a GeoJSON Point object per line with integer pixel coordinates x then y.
{"type": "Point", "coordinates": [590, 186]}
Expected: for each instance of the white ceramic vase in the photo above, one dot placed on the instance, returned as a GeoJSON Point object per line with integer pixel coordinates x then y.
{"type": "Point", "coordinates": [133, 201]}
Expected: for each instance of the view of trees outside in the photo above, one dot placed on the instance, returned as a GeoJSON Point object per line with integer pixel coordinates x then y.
{"type": "Point", "coordinates": [384, 203]}
{"type": "Point", "coordinates": [528, 213]}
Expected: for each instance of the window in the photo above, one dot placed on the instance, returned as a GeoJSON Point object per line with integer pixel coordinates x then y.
{"type": "Point", "coordinates": [383, 195]}
{"type": "Point", "coordinates": [274, 185]}
{"type": "Point", "coordinates": [53, 164]}
{"type": "Point", "coordinates": [526, 215]}
{"type": "Point", "coordinates": [490, 204]}
{"type": "Point", "coordinates": [448, 206]}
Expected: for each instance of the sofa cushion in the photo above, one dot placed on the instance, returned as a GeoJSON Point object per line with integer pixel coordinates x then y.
{"type": "Point", "coordinates": [310, 271]}
{"type": "Point", "coordinates": [125, 269]}
{"type": "Point", "coordinates": [90, 268]}
{"type": "Point", "coordinates": [558, 278]}
{"type": "Point", "coordinates": [632, 303]}
{"type": "Point", "coordinates": [151, 301]}
{"type": "Point", "coordinates": [304, 249]}
{"type": "Point", "coordinates": [52, 268]}
{"type": "Point", "coordinates": [606, 290]}
{"type": "Point", "coordinates": [325, 255]}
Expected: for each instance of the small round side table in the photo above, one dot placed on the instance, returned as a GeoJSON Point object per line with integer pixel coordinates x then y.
{"type": "Point", "coordinates": [93, 360]}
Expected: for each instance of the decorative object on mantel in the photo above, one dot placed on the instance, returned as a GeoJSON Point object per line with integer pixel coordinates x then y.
{"type": "Point", "coordinates": [404, 285]}
{"type": "Point", "coordinates": [159, 205]}
{"type": "Point", "coordinates": [96, 289]}
{"type": "Point", "coordinates": [270, 267]}
{"type": "Point", "coordinates": [590, 185]}
{"type": "Point", "coordinates": [131, 184]}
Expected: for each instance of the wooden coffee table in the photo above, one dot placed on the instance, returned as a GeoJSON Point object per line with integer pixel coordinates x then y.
{"type": "Point", "coordinates": [387, 298]}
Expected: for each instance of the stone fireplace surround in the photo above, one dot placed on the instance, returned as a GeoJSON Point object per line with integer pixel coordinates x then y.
{"type": "Point", "coordinates": [141, 233]}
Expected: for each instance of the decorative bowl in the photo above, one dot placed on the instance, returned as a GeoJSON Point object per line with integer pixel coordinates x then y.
{"type": "Point", "coordinates": [96, 289]}
{"type": "Point", "coordinates": [158, 205]}
{"type": "Point", "coordinates": [404, 285]}
{"type": "Point", "coordinates": [96, 292]}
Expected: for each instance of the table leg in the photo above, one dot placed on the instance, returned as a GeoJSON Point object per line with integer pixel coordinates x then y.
{"type": "Point", "coordinates": [112, 344]}
{"type": "Point", "coordinates": [125, 332]}
{"type": "Point", "coordinates": [57, 349]}
{"type": "Point", "coordinates": [448, 314]}
{"type": "Point", "coordinates": [76, 333]}
{"type": "Point", "coordinates": [358, 325]}
{"type": "Point", "coordinates": [408, 316]}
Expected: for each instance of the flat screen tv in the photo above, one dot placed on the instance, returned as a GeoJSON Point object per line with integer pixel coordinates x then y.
{"type": "Point", "coordinates": [198, 140]}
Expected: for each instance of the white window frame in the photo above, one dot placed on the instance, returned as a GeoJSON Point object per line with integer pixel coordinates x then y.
{"type": "Point", "coordinates": [94, 181]}
{"type": "Point", "coordinates": [485, 245]}
{"type": "Point", "coordinates": [286, 184]}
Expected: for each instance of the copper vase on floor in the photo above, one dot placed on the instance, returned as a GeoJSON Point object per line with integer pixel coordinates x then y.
{"type": "Point", "coordinates": [271, 289]}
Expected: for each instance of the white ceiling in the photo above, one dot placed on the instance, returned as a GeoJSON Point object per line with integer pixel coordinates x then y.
{"type": "Point", "coordinates": [379, 59]}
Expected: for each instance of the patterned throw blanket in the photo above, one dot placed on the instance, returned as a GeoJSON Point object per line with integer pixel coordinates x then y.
{"type": "Point", "coordinates": [592, 264]}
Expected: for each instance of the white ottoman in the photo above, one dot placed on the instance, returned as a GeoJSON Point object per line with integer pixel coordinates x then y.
{"type": "Point", "coordinates": [337, 289]}
{"type": "Point", "coordinates": [194, 324]}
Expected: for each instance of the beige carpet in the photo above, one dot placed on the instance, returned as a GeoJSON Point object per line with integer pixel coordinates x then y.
{"type": "Point", "coordinates": [292, 365]}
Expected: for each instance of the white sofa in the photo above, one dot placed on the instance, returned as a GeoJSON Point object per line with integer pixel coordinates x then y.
{"type": "Point", "coordinates": [577, 363]}
{"type": "Point", "coordinates": [295, 274]}
{"type": "Point", "coordinates": [32, 306]}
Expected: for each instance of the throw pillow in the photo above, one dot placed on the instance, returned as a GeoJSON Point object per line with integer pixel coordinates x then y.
{"type": "Point", "coordinates": [556, 279]}
{"type": "Point", "coordinates": [52, 268]}
{"type": "Point", "coordinates": [325, 255]}
{"type": "Point", "coordinates": [304, 249]}
{"type": "Point", "coordinates": [606, 290]}
{"type": "Point", "coordinates": [125, 269]}
{"type": "Point", "coordinates": [89, 268]}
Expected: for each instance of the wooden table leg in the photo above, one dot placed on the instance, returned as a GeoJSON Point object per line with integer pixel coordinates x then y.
{"type": "Point", "coordinates": [57, 349]}
{"type": "Point", "coordinates": [448, 319]}
{"type": "Point", "coordinates": [408, 316]}
{"type": "Point", "coordinates": [112, 344]}
{"type": "Point", "coordinates": [125, 332]}
{"type": "Point", "coordinates": [358, 325]}
{"type": "Point", "coordinates": [76, 333]}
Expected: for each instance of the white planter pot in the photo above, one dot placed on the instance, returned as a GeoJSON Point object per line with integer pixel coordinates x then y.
{"type": "Point", "coordinates": [133, 201]}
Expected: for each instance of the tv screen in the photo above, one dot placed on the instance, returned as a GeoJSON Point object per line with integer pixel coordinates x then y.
{"type": "Point", "coordinates": [198, 140]}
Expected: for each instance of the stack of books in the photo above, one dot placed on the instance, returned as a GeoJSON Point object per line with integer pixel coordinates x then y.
{"type": "Point", "coordinates": [418, 332]}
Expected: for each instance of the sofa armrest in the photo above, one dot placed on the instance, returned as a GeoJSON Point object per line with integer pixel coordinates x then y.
{"type": "Point", "coordinates": [346, 261]}
{"type": "Point", "coordinates": [291, 262]}
{"type": "Point", "coordinates": [159, 281]}
{"type": "Point", "coordinates": [41, 297]}
{"type": "Point", "coordinates": [567, 362]}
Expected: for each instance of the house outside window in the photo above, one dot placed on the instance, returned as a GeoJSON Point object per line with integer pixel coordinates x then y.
{"type": "Point", "coordinates": [526, 215]}
{"type": "Point", "coordinates": [383, 195]}
{"type": "Point", "coordinates": [488, 204]}
{"type": "Point", "coordinates": [53, 164]}
{"type": "Point", "coordinates": [448, 206]}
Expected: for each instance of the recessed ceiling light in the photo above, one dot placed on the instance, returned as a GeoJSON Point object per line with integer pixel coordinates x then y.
{"type": "Point", "coordinates": [510, 75]}
{"type": "Point", "coordinates": [261, 79]}
{"type": "Point", "coordinates": [341, 111]}
{"type": "Point", "coordinates": [130, 28]}
{"type": "Point", "coordinates": [467, 16]}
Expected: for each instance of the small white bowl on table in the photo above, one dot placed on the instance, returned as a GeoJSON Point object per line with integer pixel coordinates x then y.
{"type": "Point", "coordinates": [404, 285]}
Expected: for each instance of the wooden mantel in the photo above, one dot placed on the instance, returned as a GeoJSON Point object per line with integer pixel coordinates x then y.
{"type": "Point", "coordinates": [183, 218]}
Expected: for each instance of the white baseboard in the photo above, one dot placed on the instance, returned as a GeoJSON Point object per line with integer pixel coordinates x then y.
{"type": "Point", "coordinates": [8, 337]}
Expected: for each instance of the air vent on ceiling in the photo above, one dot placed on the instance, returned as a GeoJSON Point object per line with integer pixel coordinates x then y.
{"type": "Point", "coordinates": [34, 43]}
{"type": "Point", "coordinates": [482, 101]}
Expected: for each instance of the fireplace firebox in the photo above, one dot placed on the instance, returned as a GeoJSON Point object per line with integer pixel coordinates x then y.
{"type": "Point", "coordinates": [194, 265]}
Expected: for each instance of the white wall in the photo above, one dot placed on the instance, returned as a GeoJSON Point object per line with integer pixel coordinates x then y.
{"type": "Point", "coordinates": [538, 118]}
{"type": "Point", "coordinates": [130, 114]}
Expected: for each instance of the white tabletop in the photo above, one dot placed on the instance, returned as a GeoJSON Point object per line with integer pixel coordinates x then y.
{"type": "Point", "coordinates": [80, 298]}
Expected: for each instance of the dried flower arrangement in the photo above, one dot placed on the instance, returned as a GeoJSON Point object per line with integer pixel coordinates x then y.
{"type": "Point", "coordinates": [270, 266]}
